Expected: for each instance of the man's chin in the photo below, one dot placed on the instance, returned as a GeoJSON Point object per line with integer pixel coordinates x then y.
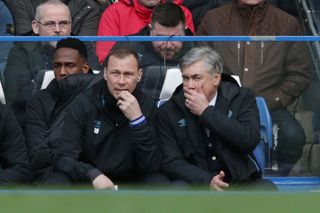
{"type": "Point", "coordinates": [168, 56]}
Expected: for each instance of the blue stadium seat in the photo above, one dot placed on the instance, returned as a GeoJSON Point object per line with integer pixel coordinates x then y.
{"type": "Point", "coordinates": [263, 150]}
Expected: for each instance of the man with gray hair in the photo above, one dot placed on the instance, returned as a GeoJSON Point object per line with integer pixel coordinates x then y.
{"type": "Point", "coordinates": [210, 127]}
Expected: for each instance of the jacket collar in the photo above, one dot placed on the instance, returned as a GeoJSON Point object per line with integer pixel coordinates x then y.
{"type": "Point", "coordinates": [252, 15]}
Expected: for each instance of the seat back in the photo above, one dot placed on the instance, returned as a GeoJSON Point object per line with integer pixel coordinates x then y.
{"type": "Point", "coordinates": [263, 150]}
{"type": "Point", "coordinates": [47, 78]}
{"type": "Point", "coordinates": [172, 80]}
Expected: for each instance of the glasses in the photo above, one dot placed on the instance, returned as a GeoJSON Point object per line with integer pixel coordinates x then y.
{"type": "Point", "coordinates": [51, 25]}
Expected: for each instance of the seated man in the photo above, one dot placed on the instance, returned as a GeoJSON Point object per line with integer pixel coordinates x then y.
{"type": "Point", "coordinates": [210, 127]}
{"type": "Point", "coordinates": [14, 160]}
{"type": "Point", "coordinates": [157, 56]}
{"type": "Point", "coordinates": [108, 135]}
{"type": "Point", "coordinates": [85, 16]}
{"type": "Point", "coordinates": [114, 20]}
{"type": "Point", "coordinates": [45, 112]}
{"type": "Point", "coordinates": [27, 59]}
{"type": "Point", "coordinates": [277, 71]}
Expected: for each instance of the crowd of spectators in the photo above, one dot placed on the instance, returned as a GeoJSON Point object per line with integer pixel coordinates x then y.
{"type": "Point", "coordinates": [117, 133]}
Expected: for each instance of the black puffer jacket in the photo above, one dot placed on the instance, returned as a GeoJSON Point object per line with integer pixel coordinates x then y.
{"type": "Point", "coordinates": [97, 138]}
{"type": "Point", "coordinates": [234, 121]}
{"type": "Point", "coordinates": [14, 162]}
{"type": "Point", "coordinates": [45, 117]}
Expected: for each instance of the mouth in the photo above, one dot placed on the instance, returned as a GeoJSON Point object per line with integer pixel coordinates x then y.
{"type": "Point", "coordinates": [120, 90]}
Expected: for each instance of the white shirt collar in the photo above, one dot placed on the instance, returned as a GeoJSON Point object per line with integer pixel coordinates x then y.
{"type": "Point", "coordinates": [214, 100]}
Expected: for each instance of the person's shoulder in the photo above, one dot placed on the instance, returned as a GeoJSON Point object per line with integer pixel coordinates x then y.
{"type": "Point", "coordinates": [246, 92]}
{"type": "Point", "coordinates": [89, 3]}
{"type": "Point", "coordinates": [120, 7]}
{"type": "Point", "coordinates": [26, 46]}
{"type": "Point", "coordinates": [39, 99]}
{"type": "Point", "coordinates": [287, 19]}
{"type": "Point", "coordinates": [219, 11]}
{"type": "Point", "coordinates": [279, 12]}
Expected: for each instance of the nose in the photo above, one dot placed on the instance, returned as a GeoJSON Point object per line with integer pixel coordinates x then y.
{"type": "Point", "coordinates": [57, 28]}
{"type": "Point", "coordinates": [63, 72]}
{"type": "Point", "coordinates": [121, 80]}
{"type": "Point", "coordinates": [191, 84]}
{"type": "Point", "coordinates": [170, 44]}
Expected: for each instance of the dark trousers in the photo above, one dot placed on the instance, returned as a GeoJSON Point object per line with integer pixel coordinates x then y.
{"type": "Point", "coordinates": [291, 139]}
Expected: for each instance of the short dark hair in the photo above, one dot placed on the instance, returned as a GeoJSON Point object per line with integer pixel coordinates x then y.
{"type": "Point", "coordinates": [168, 14]}
{"type": "Point", "coordinates": [75, 44]}
{"type": "Point", "coordinates": [121, 52]}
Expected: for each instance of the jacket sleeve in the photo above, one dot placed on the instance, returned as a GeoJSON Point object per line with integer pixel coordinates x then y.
{"type": "Point", "coordinates": [86, 22]}
{"type": "Point", "coordinates": [70, 149]}
{"type": "Point", "coordinates": [174, 164]}
{"type": "Point", "coordinates": [108, 26]}
{"type": "Point", "coordinates": [242, 133]}
{"type": "Point", "coordinates": [297, 75]}
{"type": "Point", "coordinates": [36, 128]}
{"type": "Point", "coordinates": [148, 153]}
{"type": "Point", "coordinates": [189, 19]}
{"type": "Point", "coordinates": [17, 76]}
{"type": "Point", "coordinates": [13, 153]}
{"type": "Point", "coordinates": [23, 12]}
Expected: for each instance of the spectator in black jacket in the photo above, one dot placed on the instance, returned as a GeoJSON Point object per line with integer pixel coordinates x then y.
{"type": "Point", "coordinates": [14, 162]}
{"type": "Point", "coordinates": [46, 110]}
{"type": "Point", "coordinates": [85, 16]}
{"type": "Point", "coordinates": [210, 127]}
{"type": "Point", "coordinates": [108, 136]}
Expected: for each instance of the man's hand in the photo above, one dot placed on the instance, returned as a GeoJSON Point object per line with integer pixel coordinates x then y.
{"type": "Point", "coordinates": [196, 101]}
{"type": "Point", "coordinates": [217, 183]}
{"type": "Point", "coordinates": [103, 182]}
{"type": "Point", "coordinates": [129, 105]}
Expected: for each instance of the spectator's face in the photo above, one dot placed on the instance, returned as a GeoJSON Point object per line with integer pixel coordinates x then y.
{"type": "Point", "coordinates": [68, 61]}
{"type": "Point", "coordinates": [122, 74]}
{"type": "Point", "coordinates": [53, 20]}
{"type": "Point", "coordinates": [167, 49]}
{"type": "Point", "coordinates": [250, 2]}
{"type": "Point", "coordinates": [149, 3]}
{"type": "Point", "coordinates": [196, 77]}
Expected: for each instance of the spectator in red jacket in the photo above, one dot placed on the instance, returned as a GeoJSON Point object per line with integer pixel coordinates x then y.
{"type": "Point", "coordinates": [128, 17]}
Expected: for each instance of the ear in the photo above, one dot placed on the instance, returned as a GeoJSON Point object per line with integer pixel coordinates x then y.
{"type": "Point", "coordinates": [85, 68]}
{"type": "Point", "coordinates": [150, 28]}
{"type": "Point", "coordinates": [105, 73]}
{"type": "Point", "coordinates": [140, 74]}
{"type": "Point", "coordinates": [35, 27]}
{"type": "Point", "coordinates": [216, 79]}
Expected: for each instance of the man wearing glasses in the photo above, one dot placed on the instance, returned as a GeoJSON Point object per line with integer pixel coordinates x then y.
{"type": "Point", "coordinates": [27, 61]}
